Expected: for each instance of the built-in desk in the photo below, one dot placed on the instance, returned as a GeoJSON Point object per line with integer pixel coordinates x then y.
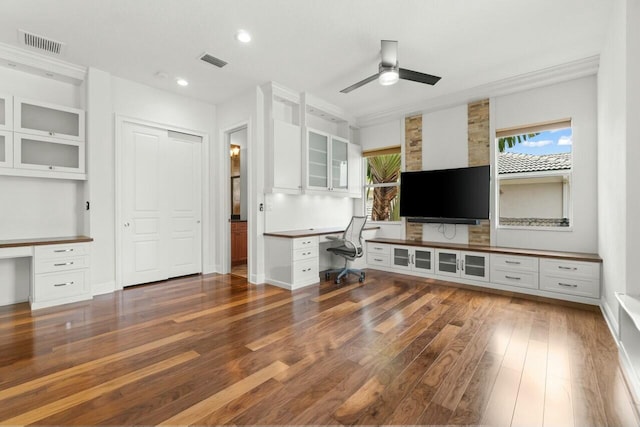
{"type": "Point", "coordinates": [59, 268]}
{"type": "Point", "coordinates": [292, 257]}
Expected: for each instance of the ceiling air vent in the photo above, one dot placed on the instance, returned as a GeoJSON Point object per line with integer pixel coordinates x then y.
{"type": "Point", "coordinates": [213, 60]}
{"type": "Point", "coordinates": [39, 42]}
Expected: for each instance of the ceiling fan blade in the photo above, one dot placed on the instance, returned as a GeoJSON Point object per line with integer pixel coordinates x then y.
{"type": "Point", "coordinates": [360, 83]}
{"type": "Point", "coordinates": [389, 53]}
{"type": "Point", "coordinates": [418, 77]}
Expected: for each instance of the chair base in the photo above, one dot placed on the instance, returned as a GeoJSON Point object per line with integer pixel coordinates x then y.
{"type": "Point", "coordinates": [342, 272]}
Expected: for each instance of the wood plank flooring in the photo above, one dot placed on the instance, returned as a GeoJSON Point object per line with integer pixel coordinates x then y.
{"type": "Point", "coordinates": [393, 350]}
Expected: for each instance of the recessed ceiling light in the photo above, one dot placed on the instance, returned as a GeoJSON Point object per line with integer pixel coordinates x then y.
{"type": "Point", "coordinates": [243, 36]}
{"type": "Point", "coordinates": [182, 82]}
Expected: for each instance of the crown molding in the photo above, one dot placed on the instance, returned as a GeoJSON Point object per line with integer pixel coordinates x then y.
{"type": "Point", "coordinates": [34, 63]}
{"type": "Point", "coordinates": [545, 77]}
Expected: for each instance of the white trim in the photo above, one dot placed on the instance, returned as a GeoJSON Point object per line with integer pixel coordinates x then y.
{"type": "Point", "coordinates": [103, 288]}
{"type": "Point", "coordinates": [612, 321]}
{"type": "Point", "coordinates": [548, 76]}
{"type": "Point", "coordinates": [34, 63]}
{"type": "Point", "coordinates": [120, 120]}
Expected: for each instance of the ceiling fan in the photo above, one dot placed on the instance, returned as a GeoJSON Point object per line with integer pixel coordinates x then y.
{"type": "Point", "coordinates": [389, 72]}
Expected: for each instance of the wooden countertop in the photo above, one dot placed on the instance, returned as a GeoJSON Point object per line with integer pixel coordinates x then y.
{"type": "Point", "coordinates": [575, 256]}
{"type": "Point", "coordinates": [44, 241]}
{"type": "Point", "coordinates": [309, 232]}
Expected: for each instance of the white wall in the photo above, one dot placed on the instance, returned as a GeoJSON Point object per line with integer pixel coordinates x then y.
{"type": "Point", "coordinates": [299, 212]}
{"type": "Point", "coordinates": [575, 99]}
{"type": "Point", "coordinates": [444, 146]}
{"type": "Point", "coordinates": [541, 200]}
{"type": "Point", "coordinates": [36, 207]}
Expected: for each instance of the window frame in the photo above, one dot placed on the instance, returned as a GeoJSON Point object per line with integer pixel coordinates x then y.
{"type": "Point", "coordinates": [567, 193]}
{"type": "Point", "coordinates": [365, 186]}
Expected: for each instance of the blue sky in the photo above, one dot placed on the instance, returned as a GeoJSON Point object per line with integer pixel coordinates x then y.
{"type": "Point", "coordinates": [548, 142]}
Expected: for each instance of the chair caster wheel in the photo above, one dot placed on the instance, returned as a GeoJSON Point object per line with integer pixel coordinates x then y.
{"type": "Point", "coordinates": [337, 281]}
{"type": "Point", "coordinates": [327, 276]}
{"type": "Point", "coordinates": [361, 279]}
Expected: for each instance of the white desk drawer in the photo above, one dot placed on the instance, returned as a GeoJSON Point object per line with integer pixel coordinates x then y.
{"type": "Point", "coordinates": [305, 271]}
{"type": "Point", "coordinates": [378, 259]}
{"type": "Point", "coordinates": [557, 267]}
{"type": "Point", "coordinates": [305, 253]}
{"type": "Point", "coordinates": [61, 251]}
{"type": "Point", "coordinates": [378, 248]}
{"type": "Point", "coordinates": [521, 279]}
{"type": "Point", "coordinates": [514, 262]}
{"type": "Point", "coordinates": [570, 285]}
{"type": "Point", "coordinates": [59, 285]}
{"type": "Point", "coordinates": [306, 242]}
{"type": "Point", "coordinates": [62, 264]}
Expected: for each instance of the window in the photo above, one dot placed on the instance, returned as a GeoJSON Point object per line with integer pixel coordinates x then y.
{"type": "Point", "coordinates": [534, 175]}
{"type": "Point", "coordinates": [382, 184]}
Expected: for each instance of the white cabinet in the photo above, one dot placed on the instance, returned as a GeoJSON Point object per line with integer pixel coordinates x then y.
{"type": "Point", "coordinates": [292, 263]}
{"type": "Point", "coordinates": [468, 265]}
{"type": "Point", "coordinates": [60, 274]}
{"type": "Point", "coordinates": [6, 149]}
{"type": "Point", "coordinates": [49, 154]}
{"type": "Point", "coordinates": [412, 258]}
{"type": "Point", "coordinates": [514, 270]}
{"type": "Point", "coordinates": [283, 140]}
{"type": "Point", "coordinates": [327, 162]}
{"type": "Point", "coordinates": [44, 119]}
{"type": "Point", "coordinates": [378, 254]}
{"type": "Point", "coordinates": [6, 112]}
{"type": "Point", "coordinates": [570, 277]}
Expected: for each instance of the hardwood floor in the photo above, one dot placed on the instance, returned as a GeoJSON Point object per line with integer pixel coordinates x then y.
{"type": "Point", "coordinates": [394, 350]}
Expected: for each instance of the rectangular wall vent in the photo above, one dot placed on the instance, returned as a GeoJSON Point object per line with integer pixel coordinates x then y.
{"type": "Point", "coordinates": [213, 60]}
{"type": "Point", "coordinates": [39, 42]}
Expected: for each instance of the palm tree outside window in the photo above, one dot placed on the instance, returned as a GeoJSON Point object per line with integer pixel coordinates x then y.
{"type": "Point", "coordinates": [382, 185]}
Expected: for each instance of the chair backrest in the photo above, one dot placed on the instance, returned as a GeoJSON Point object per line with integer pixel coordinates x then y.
{"type": "Point", "coordinates": [353, 232]}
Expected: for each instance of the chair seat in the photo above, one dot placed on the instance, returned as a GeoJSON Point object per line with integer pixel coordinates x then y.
{"type": "Point", "coordinates": [345, 250]}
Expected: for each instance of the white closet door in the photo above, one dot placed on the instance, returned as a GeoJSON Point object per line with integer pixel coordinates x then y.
{"type": "Point", "coordinates": [184, 193]}
{"type": "Point", "coordinates": [144, 257]}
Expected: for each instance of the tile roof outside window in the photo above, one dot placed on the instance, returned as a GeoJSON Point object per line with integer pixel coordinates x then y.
{"type": "Point", "coordinates": [520, 163]}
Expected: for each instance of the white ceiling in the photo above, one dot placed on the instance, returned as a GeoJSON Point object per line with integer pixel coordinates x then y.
{"type": "Point", "coordinates": [316, 46]}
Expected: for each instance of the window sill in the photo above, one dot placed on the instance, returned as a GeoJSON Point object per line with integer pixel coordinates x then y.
{"type": "Point", "coordinates": [385, 222]}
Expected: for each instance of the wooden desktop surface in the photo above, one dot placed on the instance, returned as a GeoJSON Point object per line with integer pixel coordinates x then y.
{"type": "Point", "coordinates": [309, 232]}
{"type": "Point", "coordinates": [38, 241]}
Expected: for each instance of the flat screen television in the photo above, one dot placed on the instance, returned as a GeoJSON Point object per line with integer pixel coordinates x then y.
{"type": "Point", "coordinates": [455, 196]}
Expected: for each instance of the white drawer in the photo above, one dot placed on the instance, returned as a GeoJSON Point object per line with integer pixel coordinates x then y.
{"type": "Point", "coordinates": [62, 264]}
{"type": "Point", "coordinates": [305, 253]}
{"type": "Point", "coordinates": [61, 251]}
{"type": "Point", "coordinates": [378, 248]}
{"type": "Point", "coordinates": [378, 259]}
{"type": "Point", "coordinates": [514, 262]}
{"type": "Point", "coordinates": [306, 271]}
{"type": "Point", "coordinates": [570, 285]}
{"type": "Point", "coordinates": [306, 242]}
{"type": "Point", "coordinates": [521, 279]}
{"type": "Point", "coordinates": [558, 267]}
{"type": "Point", "coordinates": [59, 285]}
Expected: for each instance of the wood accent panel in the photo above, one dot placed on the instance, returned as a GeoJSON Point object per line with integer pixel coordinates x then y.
{"type": "Point", "coordinates": [570, 256]}
{"type": "Point", "coordinates": [393, 350]}
{"type": "Point", "coordinates": [413, 162]}
{"type": "Point", "coordinates": [479, 155]}
{"type": "Point", "coordinates": [39, 241]}
{"type": "Point", "coordinates": [238, 242]}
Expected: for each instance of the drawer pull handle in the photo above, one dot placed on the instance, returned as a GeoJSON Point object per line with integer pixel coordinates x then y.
{"type": "Point", "coordinates": [63, 250]}
{"type": "Point", "coordinates": [562, 267]}
{"type": "Point", "coordinates": [513, 262]}
{"type": "Point", "coordinates": [567, 285]}
{"type": "Point", "coordinates": [512, 277]}
{"type": "Point", "coordinates": [63, 284]}
{"type": "Point", "coordinates": [377, 259]}
{"type": "Point", "coordinates": [60, 264]}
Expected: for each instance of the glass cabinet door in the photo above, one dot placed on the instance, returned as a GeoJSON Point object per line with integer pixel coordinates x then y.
{"type": "Point", "coordinates": [6, 149]}
{"type": "Point", "coordinates": [401, 258]}
{"type": "Point", "coordinates": [42, 153]}
{"type": "Point", "coordinates": [423, 260]}
{"type": "Point", "coordinates": [474, 266]}
{"type": "Point", "coordinates": [447, 263]}
{"type": "Point", "coordinates": [38, 118]}
{"type": "Point", "coordinates": [318, 155]}
{"type": "Point", "coordinates": [5, 112]}
{"type": "Point", "coordinates": [339, 164]}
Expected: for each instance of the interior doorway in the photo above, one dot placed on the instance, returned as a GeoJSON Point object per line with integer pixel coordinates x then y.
{"type": "Point", "coordinates": [237, 140]}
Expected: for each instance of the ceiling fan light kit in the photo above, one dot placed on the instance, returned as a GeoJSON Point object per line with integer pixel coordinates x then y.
{"type": "Point", "coordinates": [389, 72]}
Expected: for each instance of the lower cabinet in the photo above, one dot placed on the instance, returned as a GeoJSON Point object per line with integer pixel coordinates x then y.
{"type": "Point", "coordinates": [238, 242]}
{"type": "Point", "coordinates": [468, 265]}
{"type": "Point", "coordinates": [60, 274]}
{"type": "Point", "coordinates": [514, 270]}
{"type": "Point", "coordinates": [292, 263]}
{"type": "Point", "coordinates": [570, 277]}
{"type": "Point", "coordinates": [412, 258]}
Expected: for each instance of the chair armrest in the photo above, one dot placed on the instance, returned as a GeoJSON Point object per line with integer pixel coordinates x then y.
{"type": "Point", "coordinates": [333, 237]}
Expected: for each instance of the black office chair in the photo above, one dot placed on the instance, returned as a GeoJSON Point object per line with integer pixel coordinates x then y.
{"type": "Point", "coordinates": [350, 248]}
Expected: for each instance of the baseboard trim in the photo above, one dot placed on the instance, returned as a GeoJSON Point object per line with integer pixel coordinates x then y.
{"type": "Point", "coordinates": [612, 321]}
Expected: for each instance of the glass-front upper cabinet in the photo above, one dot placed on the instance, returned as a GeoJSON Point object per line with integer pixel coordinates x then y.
{"type": "Point", "coordinates": [318, 155]}
{"type": "Point", "coordinates": [43, 119]}
{"type": "Point", "coordinates": [50, 154]}
{"type": "Point", "coordinates": [6, 109]}
{"type": "Point", "coordinates": [339, 164]}
{"type": "Point", "coordinates": [6, 149]}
